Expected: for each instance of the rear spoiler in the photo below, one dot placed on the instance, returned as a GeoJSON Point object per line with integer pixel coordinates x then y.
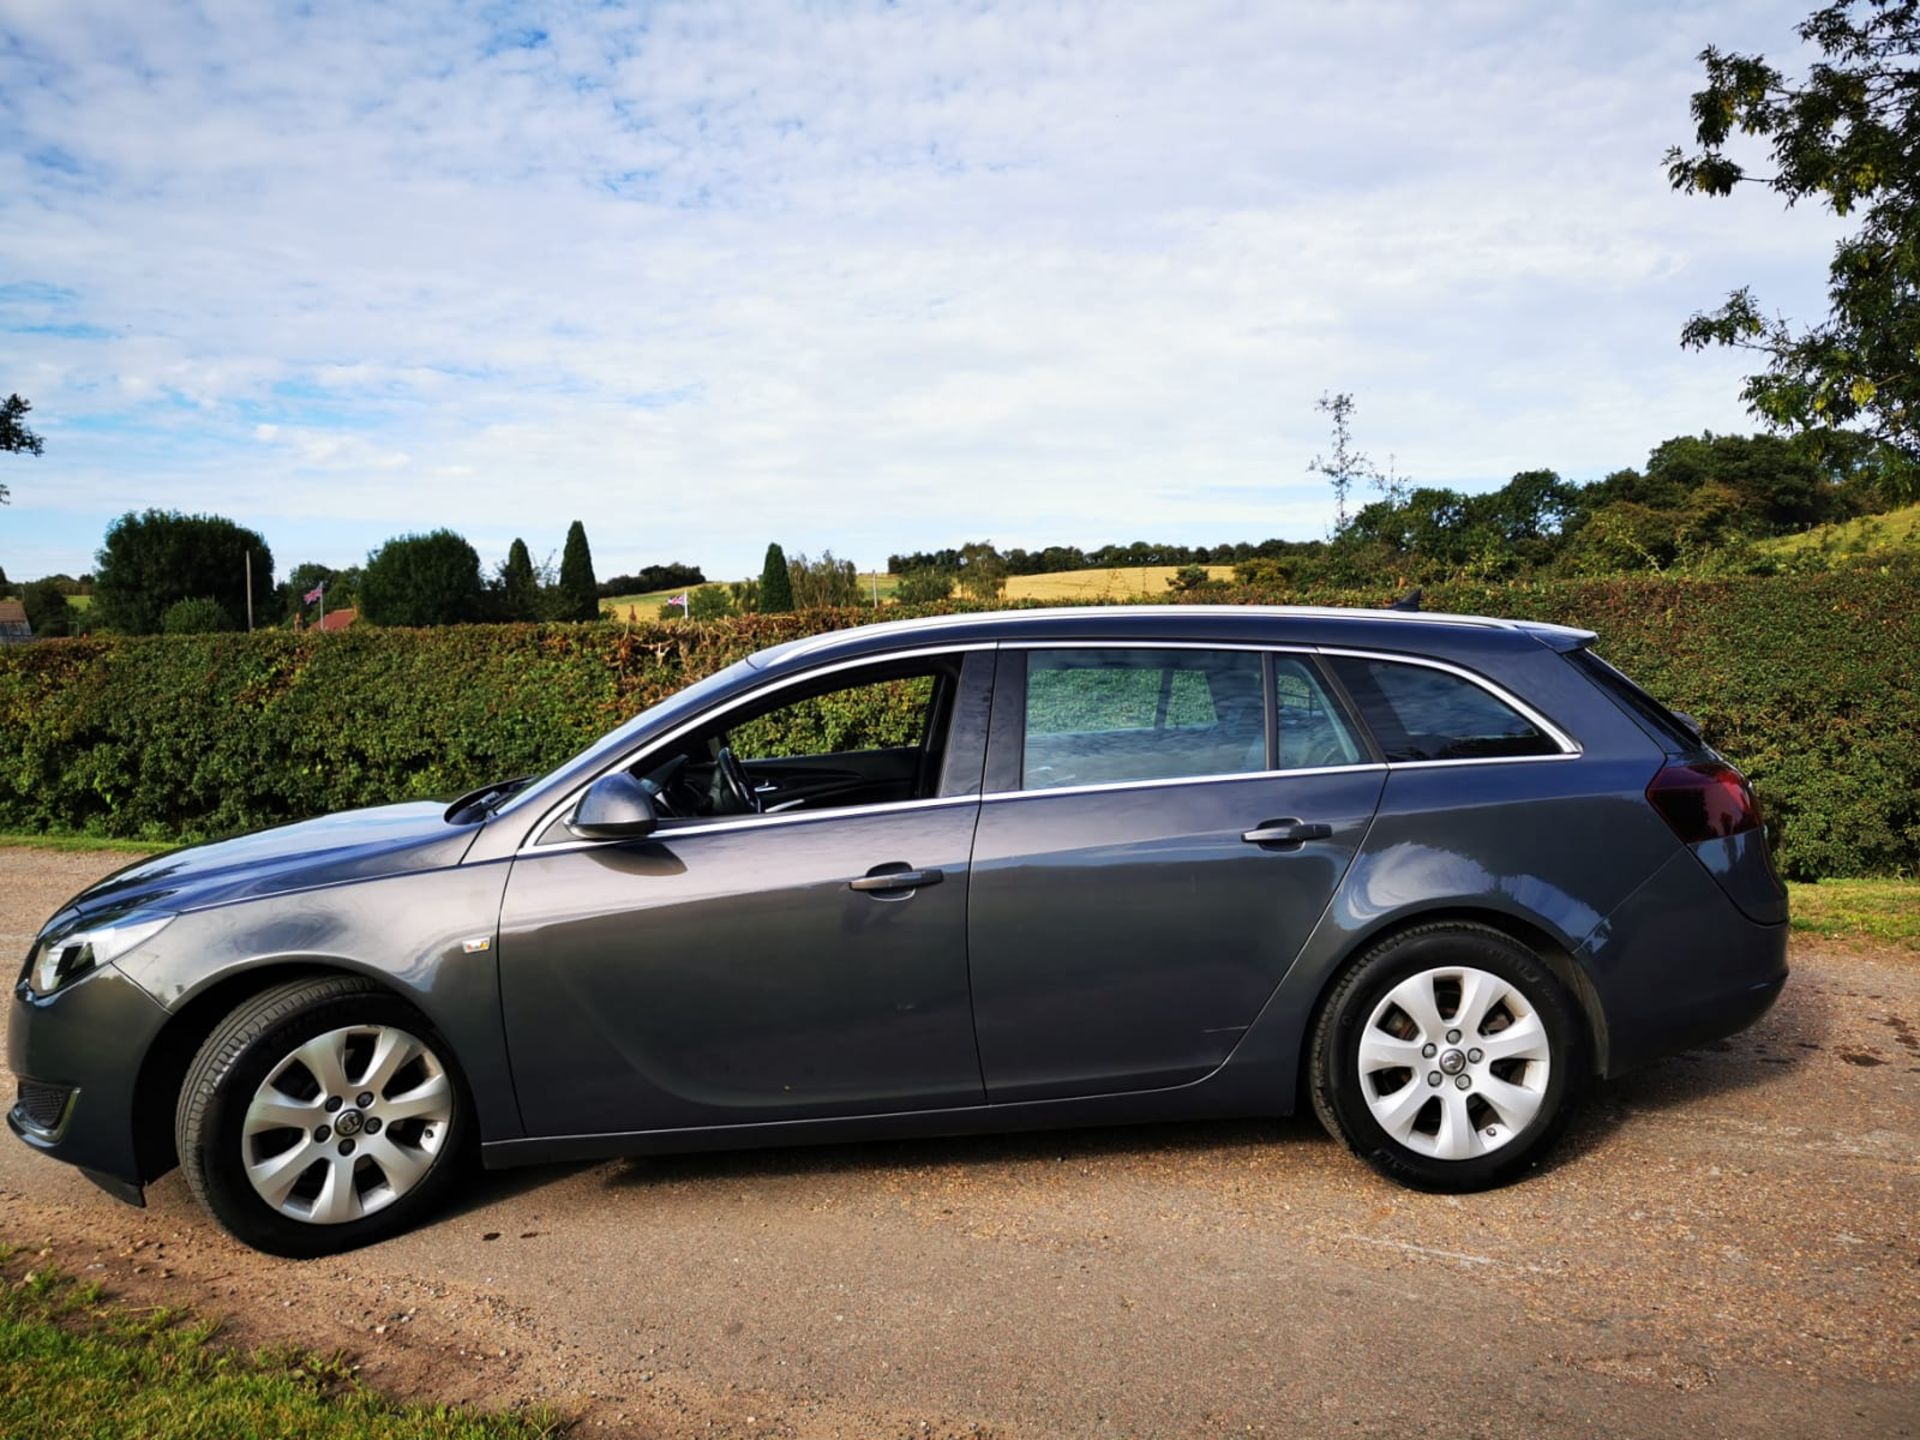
{"type": "Point", "coordinates": [1564, 638]}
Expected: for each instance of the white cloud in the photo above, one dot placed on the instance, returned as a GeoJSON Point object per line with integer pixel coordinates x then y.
{"type": "Point", "coordinates": [861, 276]}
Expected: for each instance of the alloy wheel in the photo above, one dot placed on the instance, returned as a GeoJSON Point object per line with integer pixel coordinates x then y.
{"type": "Point", "coordinates": [1454, 1062]}
{"type": "Point", "coordinates": [346, 1124]}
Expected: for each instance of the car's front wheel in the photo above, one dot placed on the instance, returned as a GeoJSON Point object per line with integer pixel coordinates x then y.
{"type": "Point", "coordinates": [321, 1115]}
{"type": "Point", "coordinates": [1448, 1057]}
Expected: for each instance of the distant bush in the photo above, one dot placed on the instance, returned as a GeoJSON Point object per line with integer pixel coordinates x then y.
{"type": "Point", "coordinates": [431, 579]}
{"type": "Point", "coordinates": [924, 587]}
{"type": "Point", "coordinates": [201, 616]}
{"type": "Point", "coordinates": [1808, 681]}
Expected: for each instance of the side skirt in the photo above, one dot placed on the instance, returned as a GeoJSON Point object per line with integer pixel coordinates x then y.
{"type": "Point", "coordinates": [1224, 1095]}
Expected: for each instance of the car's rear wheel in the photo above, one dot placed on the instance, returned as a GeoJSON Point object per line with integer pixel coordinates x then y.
{"type": "Point", "coordinates": [321, 1115]}
{"type": "Point", "coordinates": [1449, 1058]}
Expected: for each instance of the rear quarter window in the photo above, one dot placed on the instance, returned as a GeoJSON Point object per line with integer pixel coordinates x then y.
{"type": "Point", "coordinates": [1656, 717]}
{"type": "Point", "coordinates": [1417, 712]}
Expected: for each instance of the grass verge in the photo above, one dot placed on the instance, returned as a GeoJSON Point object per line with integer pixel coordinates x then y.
{"type": "Point", "coordinates": [1886, 911]}
{"type": "Point", "coordinates": [82, 842]}
{"type": "Point", "coordinates": [73, 1365]}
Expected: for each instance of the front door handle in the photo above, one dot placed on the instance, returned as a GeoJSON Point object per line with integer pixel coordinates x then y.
{"type": "Point", "coordinates": [1287, 832]}
{"type": "Point", "coordinates": [881, 879]}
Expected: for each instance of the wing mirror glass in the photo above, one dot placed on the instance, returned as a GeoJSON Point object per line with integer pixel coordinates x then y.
{"type": "Point", "coordinates": [615, 807]}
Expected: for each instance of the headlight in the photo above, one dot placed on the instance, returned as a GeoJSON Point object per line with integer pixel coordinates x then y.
{"type": "Point", "coordinates": [54, 965]}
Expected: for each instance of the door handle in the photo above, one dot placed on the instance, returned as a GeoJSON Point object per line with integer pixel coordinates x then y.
{"type": "Point", "coordinates": [1287, 832]}
{"type": "Point", "coordinates": [882, 881]}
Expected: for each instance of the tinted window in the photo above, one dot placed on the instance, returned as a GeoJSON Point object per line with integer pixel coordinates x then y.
{"type": "Point", "coordinates": [1663, 721]}
{"type": "Point", "coordinates": [1312, 730]}
{"type": "Point", "coordinates": [1419, 713]}
{"type": "Point", "coordinates": [1099, 717]}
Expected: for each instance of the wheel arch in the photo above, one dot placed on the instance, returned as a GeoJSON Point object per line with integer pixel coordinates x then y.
{"type": "Point", "coordinates": [163, 1070]}
{"type": "Point", "coordinates": [1551, 949]}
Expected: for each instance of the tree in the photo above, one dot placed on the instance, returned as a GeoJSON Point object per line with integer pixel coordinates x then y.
{"type": "Point", "coordinates": [343, 588]}
{"type": "Point", "coordinates": [1346, 465]}
{"type": "Point", "coordinates": [5, 588]}
{"type": "Point", "coordinates": [776, 585]}
{"type": "Point", "coordinates": [431, 579]}
{"type": "Point", "coordinates": [47, 609]}
{"type": "Point", "coordinates": [982, 571]}
{"type": "Point", "coordinates": [924, 587]}
{"type": "Point", "coordinates": [709, 602]}
{"type": "Point", "coordinates": [1847, 135]}
{"type": "Point", "coordinates": [15, 437]}
{"type": "Point", "coordinates": [519, 586]}
{"type": "Point", "coordinates": [823, 583]}
{"type": "Point", "coordinates": [154, 558]}
{"type": "Point", "coordinates": [579, 597]}
{"type": "Point", "coordinates": [199, 616]}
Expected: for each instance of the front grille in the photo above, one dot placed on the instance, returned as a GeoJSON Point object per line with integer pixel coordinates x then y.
{"type": "Point", "coordinates": [42, 1105]}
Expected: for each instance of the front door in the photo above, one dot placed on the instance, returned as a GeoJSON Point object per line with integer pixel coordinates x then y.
{"type": "Point", "coordinates": [766, 959]}
{"type": "Point", "coordinates": [1163, 830]}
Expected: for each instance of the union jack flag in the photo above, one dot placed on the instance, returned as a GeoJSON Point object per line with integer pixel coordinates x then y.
{"type": "Point", "coordinates": [316, 592]}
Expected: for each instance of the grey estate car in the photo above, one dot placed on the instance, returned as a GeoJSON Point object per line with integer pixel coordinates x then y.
{"type": "Point", "coordinates": [1431, 874]}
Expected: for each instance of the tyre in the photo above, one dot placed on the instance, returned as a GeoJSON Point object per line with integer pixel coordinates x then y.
{"type": "Point", "coordinates": [322, 1115]}
{"type": "Point", "coordinates": [1448, 1058]}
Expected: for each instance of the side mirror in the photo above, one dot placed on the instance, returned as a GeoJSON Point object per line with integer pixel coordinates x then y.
{"type": "Point", "coordinates": [615, 807]}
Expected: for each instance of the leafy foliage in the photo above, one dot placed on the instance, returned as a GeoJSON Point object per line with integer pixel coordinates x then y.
{"type": "Point", "coordinates": [155, 558]}
{"type": "Point", "coordinates": [924, 587]}
{"type": "Point", "coordinates": [431, 579]}
{"type": "Point", "coordinates": [15, 437]}
{"type": "Point", "coordinates": [199, 616]}
{"type": "Point", "coordinates": [47, 609]}
{"type": "Point", "coordinates": [822, 583]}
{"type": "Point", "coordinates": [517, 593]}
{"type": "Point", "coordinates": [579, 597]}
{"type": "Point", "coordinates": [1845, 135]}
{"type": "Point", "coordinates": [776, 584]}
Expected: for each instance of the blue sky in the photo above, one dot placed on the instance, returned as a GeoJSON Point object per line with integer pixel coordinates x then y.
{"type": "Point", "coordinates": [862, 276]}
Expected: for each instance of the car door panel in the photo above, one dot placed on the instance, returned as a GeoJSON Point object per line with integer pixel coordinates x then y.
{"type": "Point", "coordinates": [1124, 939]}
{"type": "Point", "coordinates": [730, 975]}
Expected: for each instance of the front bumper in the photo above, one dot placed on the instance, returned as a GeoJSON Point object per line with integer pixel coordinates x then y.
{"type": "Point", "coordinates": [1679, 964]}
{"type": "Point", "coordinates": [88, 1038]}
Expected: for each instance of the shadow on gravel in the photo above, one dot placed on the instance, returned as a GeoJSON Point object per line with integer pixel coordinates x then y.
{"type": "Point", "coordinates": [1167, 1140]}
{"type": "Point", "coordinates": [1772, 1052]}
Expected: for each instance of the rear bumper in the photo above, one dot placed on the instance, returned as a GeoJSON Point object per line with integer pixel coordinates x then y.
{"type": "Point", "coordinates": [90, 1039]}
{"type": "Point", "coordinates": [1679, 964]}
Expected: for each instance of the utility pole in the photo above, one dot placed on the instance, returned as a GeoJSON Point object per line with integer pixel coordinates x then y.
{"type": "Point", "coordinates": [249, 592]}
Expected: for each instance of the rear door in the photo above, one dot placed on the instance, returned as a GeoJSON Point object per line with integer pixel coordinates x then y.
{"type": "Point", "coordinates": [1163, 829]}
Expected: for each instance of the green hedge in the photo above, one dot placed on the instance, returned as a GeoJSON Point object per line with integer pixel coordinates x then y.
{"type": "Point", "coordinates": [1808, 681]}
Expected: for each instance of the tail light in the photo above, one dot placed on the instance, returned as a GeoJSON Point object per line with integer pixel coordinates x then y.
{"type": "Point", "coordinates": [1704, 800]}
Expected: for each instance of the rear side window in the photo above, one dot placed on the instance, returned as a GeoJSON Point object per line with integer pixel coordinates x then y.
{"type": "Point", "coordinates": [1106, 716]}
{"type": "Point", "coordinates": [1662, 721]}
{"type": "Point", "coordinates": [1420, 713]}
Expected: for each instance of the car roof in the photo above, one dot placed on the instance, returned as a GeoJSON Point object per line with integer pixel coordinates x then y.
{"type": "Point", "coordinates": [1416, 631]}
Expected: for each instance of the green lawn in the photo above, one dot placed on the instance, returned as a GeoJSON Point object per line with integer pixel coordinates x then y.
{"type": "Point", "coordinates": [75, 1367]}
{"type": "Point", "coordinates": [84, 842]}
{"type": "Point", "coordinates": [1887, 911]}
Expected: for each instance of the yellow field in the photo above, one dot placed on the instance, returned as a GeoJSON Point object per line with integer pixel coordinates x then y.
{"type": "Point", "coordinates": [1132, 583]}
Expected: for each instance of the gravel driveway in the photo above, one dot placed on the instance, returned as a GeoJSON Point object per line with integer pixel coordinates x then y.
{"type": "Point", "coordinates": [1726, 1245]}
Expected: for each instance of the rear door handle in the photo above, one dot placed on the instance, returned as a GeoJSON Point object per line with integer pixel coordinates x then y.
{"type": "Point", "coordinates": [881, 881]}
{"type": "Point", "coordinates": [1287, 832]}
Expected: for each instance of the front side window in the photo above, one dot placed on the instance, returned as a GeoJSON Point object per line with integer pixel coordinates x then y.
{"type": "Point", "coordinates": [1110, 716]}
{"type": "Point", "coordinates": [1419, 713]}
{"type": "Point", "coordinates": [872, 737]}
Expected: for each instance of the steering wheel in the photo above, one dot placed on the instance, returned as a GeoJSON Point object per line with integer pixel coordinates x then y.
{"type": "Point", "coordinates": [658, 782]}
{"type": "Point", "coordinates": [735, 775]}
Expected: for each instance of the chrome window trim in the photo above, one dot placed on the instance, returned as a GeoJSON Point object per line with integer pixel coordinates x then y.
{"type": "Point", "coordinates": [528, 842]}
{"type": "Point", "coordinates": [1569, 747]}
{"type": "Point", "coordinates": [671, 831]}
{"type": "Point", "coordinates": [1166, 781]}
